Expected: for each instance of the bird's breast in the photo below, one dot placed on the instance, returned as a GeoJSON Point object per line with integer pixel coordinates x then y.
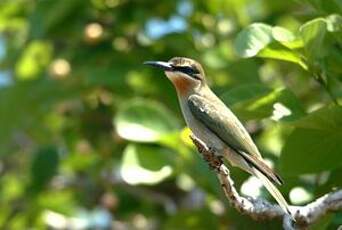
{"type": "Point", "coordinates": [182, 85]}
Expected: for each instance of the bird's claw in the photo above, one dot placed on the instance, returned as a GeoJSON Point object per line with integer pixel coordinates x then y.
{"type": "Point", "coordinates": [208, 153]}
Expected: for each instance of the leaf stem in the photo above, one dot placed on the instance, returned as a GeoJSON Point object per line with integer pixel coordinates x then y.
{"type": "Point", "coordinates": [320, 79]}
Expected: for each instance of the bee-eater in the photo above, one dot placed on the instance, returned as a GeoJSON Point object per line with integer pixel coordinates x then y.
{"type": "Point", "coordinates": [211, 121]}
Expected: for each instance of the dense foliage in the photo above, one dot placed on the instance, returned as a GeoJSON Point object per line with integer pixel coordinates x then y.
{"type": "Point", "coordinates": [91, 138]}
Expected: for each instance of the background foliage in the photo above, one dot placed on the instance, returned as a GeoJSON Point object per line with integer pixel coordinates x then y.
{"type": "Point", "coordinates": [90, 138]}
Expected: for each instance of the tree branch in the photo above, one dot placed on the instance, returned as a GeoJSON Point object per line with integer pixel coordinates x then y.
{"type": "Point", "coordinates": [260, 209]}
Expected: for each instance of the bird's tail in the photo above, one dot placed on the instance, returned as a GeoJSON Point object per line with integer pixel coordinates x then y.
{"type": "Point", "coordinates": [272, 189]}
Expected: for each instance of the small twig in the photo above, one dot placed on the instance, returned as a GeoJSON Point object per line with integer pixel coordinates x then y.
{"type": "Point", "coordinates": [260, 209]}
{"type": "Point", "coordinates": [320, 80]}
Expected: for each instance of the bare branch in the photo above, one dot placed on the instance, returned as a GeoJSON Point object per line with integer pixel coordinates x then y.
{"type": "Point", "coordinates": [260, 209]}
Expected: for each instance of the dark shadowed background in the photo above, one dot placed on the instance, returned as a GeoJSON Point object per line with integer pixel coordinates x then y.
{"type": "Point", "coordinates": [92, 139]}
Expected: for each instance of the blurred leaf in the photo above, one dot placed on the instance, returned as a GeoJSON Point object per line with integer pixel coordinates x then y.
{"type": "Point", "coordinates": [252, 39]}
{"type": "Point", "coordinates": [10, 17]}
{"type": "Point", "coordinates": [145, 164]}
{"type": "Point", "coordinates": [323, 223]}
{"type": "Point", "coordinates": [313, 33]}
{"type": "Point", "coordinates": [334, 180]}
{"type": "Point", "coordinates": [334, 23]}
{"type": "Point", "coordinates": [280, 103]}
{"type": "Point", "coordinates": [327, 118]}
{"type": "Point", "coordinates": [316, 141]}
{"type": "Point", "coordinates": [34, 59]}
{"type": "Point", "coordinates": [79, 162]}
{"type": "Point", "coordinates": [281, 34]}
{"type": "Point", "coordinates": [277, 51]}
{"type": "Point", "coordinates": [50, 14]}
{"type": "Point", "coordinates": [244, 92]}
{"type": "Point", "coordinates": [247, 71]}
{"type": "Point", "coordinates": [269, 42]}
{"type": "Point", "coordinates": [22, 105]}
{"type": "Point", "coordinates": [44, 167]}
{"type": "Point", "coordinates": [59, 201]}
{"type": "Point", "coordinates": [12, 187]}
{"type": "Point", "coordinates": [106, 76]}
{"type": "Point", "coordinates": [293, 45]}
{"type": "Point", "coordinates": [272, 139]}
{"type": "Point", "coordinates": [332, 6]}
{"type": "Point", "coordinates": [192, 220]}
{"type": "Point", "coordinates": [144, 121]}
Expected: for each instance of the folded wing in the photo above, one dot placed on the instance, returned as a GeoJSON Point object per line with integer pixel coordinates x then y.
{"type": "Point", "coordinates": [221, 121]}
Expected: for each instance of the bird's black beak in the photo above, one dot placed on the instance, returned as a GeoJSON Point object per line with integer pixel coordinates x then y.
{"type": "Point", "coordinates": [160, 64]}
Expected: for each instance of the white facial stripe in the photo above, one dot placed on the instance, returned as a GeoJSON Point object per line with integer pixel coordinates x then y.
{"type": "Point", "coordinates": [179, 74]}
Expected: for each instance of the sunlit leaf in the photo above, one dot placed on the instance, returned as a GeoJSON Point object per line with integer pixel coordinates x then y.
{"type": "Point", "coordinates": [316, 141]}
{"type": "Point", "coordinates": [144, 121]}
{"type": "Point", "coordinates": [313, 33]}
{"type": "Point", "coordinates": [13, 187]}
{"type": "Point", "coordinates": [269, 42]}
{"type": "Point", "coordinates": [282, 35]}
{"type": "Point", "coordinates": [276, 51]}
{"type": "Point", "coordinates": [34, 59]}
{"type": "Point", "coordinates": [334, 23]}
{"type": "Point", "coordinates": [295, 44]}
{"type": "Point", "coordinates": [252, 39]}
{"type": "Point", "coordinates": [279, 104]}
{"type": "Point", "coordinates": [145, 164]}
{"type": "Point", "coordinates": [59, 201]}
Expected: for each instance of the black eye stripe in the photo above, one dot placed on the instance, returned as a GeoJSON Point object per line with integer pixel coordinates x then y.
{"type": "Point", "coordinates": [187, 70]}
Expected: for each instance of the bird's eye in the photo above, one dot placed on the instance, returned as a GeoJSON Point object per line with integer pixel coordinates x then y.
{"type": "Point", "coordinates": [188, 70]}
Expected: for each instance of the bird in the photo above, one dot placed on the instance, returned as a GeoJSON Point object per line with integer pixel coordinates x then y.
{"type": "Point", "coordinates": [212, 122]}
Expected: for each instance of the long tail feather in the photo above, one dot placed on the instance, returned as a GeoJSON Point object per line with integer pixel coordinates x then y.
{"type": "Point", "coordinates": [260, 165]}
{"type": "Point", "coordinates": [272, 189]}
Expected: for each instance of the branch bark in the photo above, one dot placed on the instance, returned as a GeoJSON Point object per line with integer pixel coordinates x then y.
{"type": "Point", "coordinates": [260, 209]}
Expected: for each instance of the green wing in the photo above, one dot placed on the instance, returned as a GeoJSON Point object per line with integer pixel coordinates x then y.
{"type": "Point", "coordinates": [221, 121]}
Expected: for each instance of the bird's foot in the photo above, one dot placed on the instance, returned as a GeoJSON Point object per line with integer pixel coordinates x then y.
{"type": "Point", "coordinates": [209, 153]}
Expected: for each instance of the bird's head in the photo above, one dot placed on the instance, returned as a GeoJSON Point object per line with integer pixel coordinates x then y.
{"type": "Point", "coordinates": [187, 75]}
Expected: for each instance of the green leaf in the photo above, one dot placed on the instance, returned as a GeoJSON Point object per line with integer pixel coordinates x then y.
{"type": "Point", "coordinates": [334, 180]}
{"type": "Point", "coordinates": [143, 164]}
{"type": "Point", "coordinates": [279, 104]}
{"type": "Point", "coordinates": [244, 92]}
{"type": "Point", "coordinates": [327, 118]}
{"type": "Point", "coordinates": [313, 33]}
{"type": "Point", "coordinates": [144, 121]}
{"type": "Point", "coordinates": [24, 105]}
{"type": "Point", "coordinates": [44, 167]}
{"type": "Point", "coordinates": [252, 39]}
{"type": "Point", "coordinates": [295, 44]}
{"type": "Point", "coordinates": [315, 141]}
{"type": "Point", "coordinates": [334, 23]}
{"type": "Point", "coordinates": [277, 51]}
{"type": "Point", "coordinates": [269, 42]}
{"type": "Point", "coordinates": [282, 35]}
{"type": "Point", "coordinates": [326, 7]}
{"type": "Point", "coordinates": [35, 57]}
